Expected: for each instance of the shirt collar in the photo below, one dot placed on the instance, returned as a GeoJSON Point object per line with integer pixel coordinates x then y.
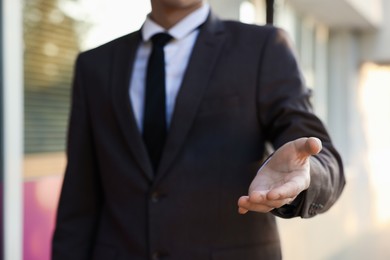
{"type": "Point", "coordinates": [181, 29]}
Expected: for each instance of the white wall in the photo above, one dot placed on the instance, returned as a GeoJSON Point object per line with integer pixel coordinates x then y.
{"type": "Point", "coordinates": [375, 44]}
{"type": "Point", "coordinates": [228, 9]}
{"type": "Point", "coordinates": [12, 133]}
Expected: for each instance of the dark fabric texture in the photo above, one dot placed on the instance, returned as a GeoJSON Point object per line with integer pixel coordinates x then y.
{"type": "Point", "coordinates": [242, 89]}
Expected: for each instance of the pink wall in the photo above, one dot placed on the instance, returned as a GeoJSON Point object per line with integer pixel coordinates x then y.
{"type": "Point", "coordinates": [40, 202]}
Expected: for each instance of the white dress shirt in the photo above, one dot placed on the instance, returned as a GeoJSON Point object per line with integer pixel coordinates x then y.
{"type": "Point", "coordinates": [177, 54]}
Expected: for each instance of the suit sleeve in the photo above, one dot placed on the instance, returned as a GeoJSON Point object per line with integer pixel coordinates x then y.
{"type": "Point", "coordinates": [80, 199]}
{"type": "Point", "coordinates": [286, 114]}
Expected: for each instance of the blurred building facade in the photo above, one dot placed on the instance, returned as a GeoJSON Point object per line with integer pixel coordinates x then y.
{"type": "Point", "coordinates": [342, 49]}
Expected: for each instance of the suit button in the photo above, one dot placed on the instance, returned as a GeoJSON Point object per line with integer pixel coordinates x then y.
{"type": "Point", "coordinates": [157, 255]}
{"type": "Point", "coordinates": [155, 197]}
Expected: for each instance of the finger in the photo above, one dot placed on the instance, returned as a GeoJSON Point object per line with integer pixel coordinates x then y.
{"type": "Point", "coordinates": [242, 210]}
{"type": "Point", "coordinates": [308, 146]}
{"type": "Point", "coordinates": [258, 196]}
{"type": "Point", "coordinates": [260, 208]}
{"type": "Point", "coordinates": [242, 202]}
{"type": "Point", "coordinates": [248, 206]}
{"type": "Point", "coordinates": [262, 198]}
{"type": "Point", "coordinates": [286, 191]}
{"type": "Point", "coordinates": [271, 204]}
{"type": "Point", "coordinates": [313, 145]}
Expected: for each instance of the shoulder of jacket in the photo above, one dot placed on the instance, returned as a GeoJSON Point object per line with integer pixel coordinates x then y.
{"type": "Point", "coordinates": [240, 29]}
{"type": "Point", "coordinates": [234, 24]}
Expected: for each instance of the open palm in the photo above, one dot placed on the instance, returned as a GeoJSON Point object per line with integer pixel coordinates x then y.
{"type": "Point", "coordinates": [282, 177]}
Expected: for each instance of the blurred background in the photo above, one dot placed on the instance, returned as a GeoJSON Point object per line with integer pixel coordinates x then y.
{"type": "Point", "coordinates": [342, 46]}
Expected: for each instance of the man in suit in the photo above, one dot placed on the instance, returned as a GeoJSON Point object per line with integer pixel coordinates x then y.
{"type": "Point", "coordinates": [230, 89]}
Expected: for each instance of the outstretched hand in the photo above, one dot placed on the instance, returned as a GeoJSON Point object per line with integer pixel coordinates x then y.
{"type": "Point", "coordinates": [282, 177]}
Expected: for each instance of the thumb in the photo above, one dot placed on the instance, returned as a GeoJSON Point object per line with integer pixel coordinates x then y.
{"type": "Point", "coordinates": [308, 146]}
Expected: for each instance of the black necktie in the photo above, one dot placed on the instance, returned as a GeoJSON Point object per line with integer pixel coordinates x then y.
{"type": "Point", "coordinates": [154, 125]}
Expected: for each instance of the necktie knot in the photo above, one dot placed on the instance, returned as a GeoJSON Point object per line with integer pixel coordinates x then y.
{"type": "Point", "coordinates": [161, 39]}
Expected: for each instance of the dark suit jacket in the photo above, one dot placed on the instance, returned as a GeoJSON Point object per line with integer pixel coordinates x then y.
{"type": "Point", "coordinates": [242, 88]}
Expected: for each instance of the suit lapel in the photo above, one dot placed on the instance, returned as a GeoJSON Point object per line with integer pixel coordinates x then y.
{"type": "Point", "coordinates": [123, 60]}
{"type": "Point", "coordinates": [202, 62]}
